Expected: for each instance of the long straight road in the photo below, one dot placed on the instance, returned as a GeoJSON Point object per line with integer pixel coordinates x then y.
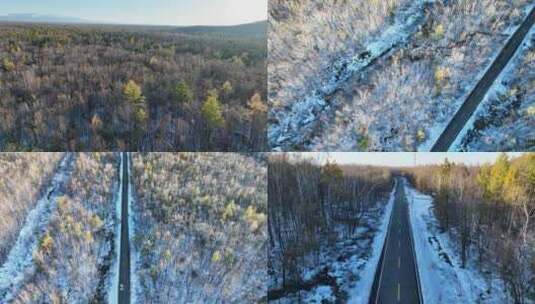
{"type": "Point", "coordinates": [460, 119]}
{"type": "Point", "coordinates": [124, 262]}
{"type": "Point", "coordinates": [396, 278]}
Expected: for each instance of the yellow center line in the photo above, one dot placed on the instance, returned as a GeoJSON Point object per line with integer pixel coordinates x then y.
{"type": "Point", "coordinates": [399, 291]}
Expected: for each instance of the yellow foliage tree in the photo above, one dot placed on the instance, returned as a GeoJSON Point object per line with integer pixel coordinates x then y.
{"type": "Point", "coordinates": [211, 111]}
{"type": "Point", "coordinates": [8, 65]}
{"type": "Point", "coordinates": [216, 256]}
{"type": "Point", "coordinates": [133, 93]}
{"type": "Point", "coordinates": [47, 243]}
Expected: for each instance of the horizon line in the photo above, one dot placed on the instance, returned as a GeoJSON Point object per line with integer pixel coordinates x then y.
{"type": "Point", "coordinates": [83, 21]}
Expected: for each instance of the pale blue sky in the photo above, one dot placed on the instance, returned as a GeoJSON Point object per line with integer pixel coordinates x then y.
{"type": "Point", "coordinates": [405, 159]}
{"type": "Point", "coordinates": [155, 12]}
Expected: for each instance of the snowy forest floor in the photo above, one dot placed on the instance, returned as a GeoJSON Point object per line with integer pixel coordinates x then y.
{"type": "Point", "coordinates": [344, 270]}
{"type": "Point", "coordinates": [442, 277]}
{"type": "Point", "coordinates": [20, 259]}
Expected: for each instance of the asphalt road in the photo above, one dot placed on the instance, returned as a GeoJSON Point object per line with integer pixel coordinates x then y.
{"type": "Point", "coordinates": [468, 108]}
{"type": "Point", "coordinates": [396, 279]}
{"type": "Point", "coordinates": [124, 262]}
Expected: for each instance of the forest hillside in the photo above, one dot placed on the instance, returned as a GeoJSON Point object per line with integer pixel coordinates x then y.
{"type": "Point", "coordinates": [489, 213]}
{"type": "Point", "coordinates": [137, 88]}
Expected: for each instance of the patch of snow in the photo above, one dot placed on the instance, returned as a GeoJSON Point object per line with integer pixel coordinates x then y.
{"type": "Point", "coordinates": [19, 262]}
{"type": "Point", "coordinates": [362, 290]}
{"type": "Point", "coordinates": [113, 291]}
{"type": "Point", "coordinates": [320, 294]}
{"type": "Point", "coordinates": [442, 278]}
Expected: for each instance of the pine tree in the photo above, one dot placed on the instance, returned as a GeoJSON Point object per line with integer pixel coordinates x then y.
{"type": "Point", "coordinates": [227, 88]}
{"type": "Point", "coordinates": [331, 173]}
{"type": "Point", "coordinates": [183, 93]}
{"type": "Point", "coordinates": [498, 173]}
{"type": "Point", "coordinates": [211, 111]}
{"type": "Point", "coordinates": [132, 92]}
{"type": "Point", "coordinates": [141, 115]}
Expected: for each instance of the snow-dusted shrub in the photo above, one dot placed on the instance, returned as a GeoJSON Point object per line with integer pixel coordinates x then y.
{"type": "Point", "coordinates": [200, 226]}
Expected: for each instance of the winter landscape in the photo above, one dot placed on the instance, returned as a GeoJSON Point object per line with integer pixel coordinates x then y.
{"type": "Point", "coordinates": [72, 84]}
{"type": "Point", "coordinates": [399, 75]}
{"type": "Point", "coordinates": [133, 228]}
{"type": "Point", "coordinates": [401, 228]}
{"type": "Point", "coordinates": [506, 118]}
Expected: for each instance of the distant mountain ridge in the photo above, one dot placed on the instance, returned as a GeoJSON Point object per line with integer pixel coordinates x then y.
{"type": "Point", "coordinates": [255, 29]}
{"type": "Point", "coordinates": [37, 18]}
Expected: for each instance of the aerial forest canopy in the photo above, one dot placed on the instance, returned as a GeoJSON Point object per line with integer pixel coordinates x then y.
{"type": "Point", "coordinates": [101, 88]}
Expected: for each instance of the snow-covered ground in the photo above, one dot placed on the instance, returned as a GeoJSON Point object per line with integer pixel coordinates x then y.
{"type": "Point", "coordinates": [24, 177]}
{"type": "Point", "coordinates": [441, 276]}
{"type": "Point", "coordinates": [351, 262]}
{"type": "Point", "coordinates": [20, 259]}
{"type": "Point", "coordinates": [503, 120]}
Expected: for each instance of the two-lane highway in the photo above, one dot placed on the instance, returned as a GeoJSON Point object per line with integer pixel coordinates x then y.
{"type": "Point", "coordinates": [396, 278]}
{"type": "Point", "coordinates": [124, 262]}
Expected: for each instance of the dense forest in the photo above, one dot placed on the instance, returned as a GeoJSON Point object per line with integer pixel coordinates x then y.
{"type": "Point", "coordinates": [74, 254]}
{"type": "Point", "coordinates": [369, 75]}
{"type": "Point", "coordinates": [489, 212]}
{"type": "Point", "coordinates": [102, 88]}
{"type": "Point", "coordinates": [63, 247]}
{"type": "Point", "coordinates": [320, 215]}
{"type": "Point", "coordinates": [200, 228]}
{"type": "Point", "coordinates": [23, 178]}
{"type": "Point", "coordinates": [196, 220]}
